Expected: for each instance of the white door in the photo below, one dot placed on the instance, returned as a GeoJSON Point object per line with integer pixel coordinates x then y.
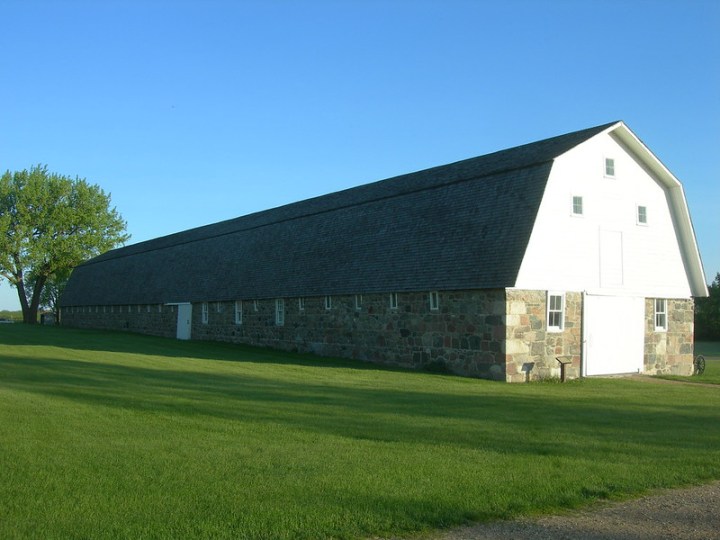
{"type": "Point", "coordinates": [184, 321]}
{"type": "Point", "coordinates": [614, 334]}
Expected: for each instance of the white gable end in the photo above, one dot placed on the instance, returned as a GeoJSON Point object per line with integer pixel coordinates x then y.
{"type": "Point", "coordinates": [609, 230]}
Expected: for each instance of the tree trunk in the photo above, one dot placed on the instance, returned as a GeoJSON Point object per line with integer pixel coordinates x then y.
{"type": "Point", "coordinates": [35, 301]}
{"type": "Point", "coordinates": [20, 286]}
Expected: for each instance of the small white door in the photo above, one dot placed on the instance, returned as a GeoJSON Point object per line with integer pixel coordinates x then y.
{"type": "Point", "coordinates": [184, 321]}
{"type": "Point", "coordinates": [614, 334]}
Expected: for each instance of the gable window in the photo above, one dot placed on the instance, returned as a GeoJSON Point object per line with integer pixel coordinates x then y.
{"type": "Point", "coordinates": [610, 167]}
{"type": "Point", "coordinates": [204, 312]}
{"type": "Point", "coordinates": [577, 205]}
{"type": "Point", "coordinates": [358, 302]}
{"type": "Point", "coordinates": [393, 300]}
{"type": "Point", "coordinates": [279, 312]}
{"type": "Point", "coordinates": [434, 301]}
{"type": "Point", "coordinates": [301, 304]}
{"type": "Point", "coordinates": [555, 312]}
{"type": "Point", "coordinates": [238, 311]}
{"type": "Point", "coordinates": [328, 302]}
{"type": "Point", "coordinates": [642, 216]}
{"type": "Point", "coordinates": [660, 314]}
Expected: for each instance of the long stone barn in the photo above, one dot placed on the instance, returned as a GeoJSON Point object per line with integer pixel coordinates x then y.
{"type": "Point", "coordinates": [576, 249]}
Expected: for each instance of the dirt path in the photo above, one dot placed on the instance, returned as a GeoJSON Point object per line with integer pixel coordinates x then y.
{"type": "Point", "coordinates": [687, 514]}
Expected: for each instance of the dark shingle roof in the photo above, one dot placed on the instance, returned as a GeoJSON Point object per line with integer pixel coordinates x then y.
{"type": "Point", "coordinates": [459, 226]}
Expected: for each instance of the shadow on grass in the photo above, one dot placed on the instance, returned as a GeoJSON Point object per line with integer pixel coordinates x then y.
{"type": "Point", "coordinates": [539, 422]}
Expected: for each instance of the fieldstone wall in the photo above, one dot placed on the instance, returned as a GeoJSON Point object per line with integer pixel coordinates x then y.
{"type": "Point", "coordinates": [153, 319]}
{"type": "Point", "coordinates": [464, 335]}
{"type": "Point", "coordinates": [670, 352]}
{"type": "Point", "coordinates": [531, 350]}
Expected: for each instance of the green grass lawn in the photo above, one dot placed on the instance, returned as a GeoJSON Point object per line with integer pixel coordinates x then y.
{"type": "Point", "coordinates": [711, 351]}
{"type": "Point", "coordinates": [111, 435]}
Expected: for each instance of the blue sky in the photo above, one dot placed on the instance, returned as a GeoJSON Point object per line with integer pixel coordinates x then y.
{"type": "Point", "coordinates": [193, 112]}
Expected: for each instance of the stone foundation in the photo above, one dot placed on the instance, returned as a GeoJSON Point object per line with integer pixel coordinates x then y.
{"type": "Point", "coordinates": [670, 352]}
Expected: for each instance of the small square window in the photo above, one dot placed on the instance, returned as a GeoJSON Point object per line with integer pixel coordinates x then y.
{"type": "Point", "coordinates": [358, 301]}
{"type": "Point", "coordinates": [393, 301]}
{"type": "Point", "coordinates": [577, 205]}
{"type": "Point", "coordinates": [434, 301]}
{"type": "Point", "coordinates": [610, 167]}
{"type": "Point", "coordinates": [328, 302]}
{"type": "Point", "coordinates": [555, 312]}
{"type": "Point", "coordinates": [642, 215]}
{"type": "Point", "coordinates": [660, 314]}
{"type": "Point", "coordinates": [238, 311]}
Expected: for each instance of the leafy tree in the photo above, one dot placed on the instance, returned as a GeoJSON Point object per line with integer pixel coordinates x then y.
{"type": "Point", "coordinates": [52, 291]}
{"type": "Point", "coordinates": [50, 223]}
{"type": "Point", "coordinates": [707, 313]}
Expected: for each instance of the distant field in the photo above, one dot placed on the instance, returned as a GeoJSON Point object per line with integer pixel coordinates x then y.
{"type": "Point", "coordinates": [111, 435]}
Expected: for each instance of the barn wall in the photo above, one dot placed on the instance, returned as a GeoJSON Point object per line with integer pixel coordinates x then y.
{"type": "Point", "coordinates": [464, 336]}
{"type": "Point", "coordinates": [670, 352]}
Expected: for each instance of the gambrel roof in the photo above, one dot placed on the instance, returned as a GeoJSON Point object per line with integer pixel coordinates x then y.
{"type": "Point", "coordinates": [459, 226]}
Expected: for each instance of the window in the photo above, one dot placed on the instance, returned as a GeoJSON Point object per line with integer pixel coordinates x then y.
{"type": "Point", "coordinates": [204, 312]}
{"type": "Point", "coordinates": [610, 167]}
{"type": "Point", "coordinates": [255, 305]}
{"type": "Point", "coordinates": [434, 301]}
{"type": "Point", "coordinates": [642, 217]}
{"type": "Point", "coordinates": [555, 312]}
{"type": "Point", "coordinates": [358, 302]}
{"type": "Point", "coordinates": [112, 309]}
{"type": "Point", "coordinates": [577, 205]}
{"type": "Point", "coordinates": [328, 302]}
{"type": "Point", "coordinates": [139, 308]}
{"type": "Point", "coordinates": [279, 312]}
{"type": "Point", "coordinates": [660, 314]}
{"type": "Point", "coordinates": [393, 301]}
{"type": "Point", "coordinates": [104, 309]}
{"type": "Point", "coordinates": [301, 304]}
{"type": "Point", "coordinates": [217, 307]}
{"type": "Point", "coordinates": [159, 308]}
{"type": "Point", "coordinates": [238, 311]}
{"type": "Point", "coordinates": [148, 308]}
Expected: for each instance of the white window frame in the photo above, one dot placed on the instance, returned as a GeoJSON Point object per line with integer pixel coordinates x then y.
{"type": "Point", "coordinates": [328, 302]}
{"type": "Point", "coordinates": [393, 300]}
{"type": "Point", "coordinates": [660, 314]}
{"type": "Point", "coordinates": [358, 302]}
{"type": "Point", "coordinates": [279, 312]}
{"type": "Point", "coordinates": [301, 304]}
{"type": "Point", "coordinates": [612, 165]}
{"type": "Point", "coordinates": [574, 207]}
{"type": "Point", "coordinates": [638, 221]}
{"type": "Point", "coordinates": [238, 311]}
{"type": "Point", "coordinates": [205, 316]}
{"type": "Point", "coordinates": [551, 312]}
{"type": "Point", "coordinates": [434, 298]}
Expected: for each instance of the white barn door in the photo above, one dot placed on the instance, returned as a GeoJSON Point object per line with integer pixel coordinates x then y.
{"type": "Point", "coordinates": [184, 321]}
{"type": "Point", "coordinates": [614, 334]}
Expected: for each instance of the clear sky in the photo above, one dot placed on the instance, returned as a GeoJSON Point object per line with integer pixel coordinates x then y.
{"type": "Point", "coordinates": [189, 113]}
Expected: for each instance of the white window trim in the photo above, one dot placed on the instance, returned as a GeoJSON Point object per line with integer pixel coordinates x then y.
{"type": "Point", "coordinates": [238, 311]}
{"type": "Point", "coordinates": [664, 313]}
{"type": "Point", "coordinates": [637, 215]}
{"type": "Point", "coordinates": [562, 311]}
{"type": "Point", "coordinates": [328, 302]}
{"type": "Point", "coordinates": [434, 297]}
{"type": "Point", "coordinates": [573, 213]}
{"type": "Point", "coordinates": [205, 317]}
{"type": "Point", "coordinates": [614, 164]}
{"type": "Point", "coordinates": [279, 312]}
{"type": "Point", "coordinates": [393, 300]}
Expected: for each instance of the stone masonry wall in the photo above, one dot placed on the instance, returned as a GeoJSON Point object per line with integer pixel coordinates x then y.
{"type": "Point", "coordinates": [464, 336]}
{"type": "Point", "coordinates": [531, 350]}
{"type": "Point", "coordinates": [670, 352]}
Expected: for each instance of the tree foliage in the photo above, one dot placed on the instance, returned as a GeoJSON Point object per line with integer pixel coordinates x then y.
{"type": "Point", "coordinates": [50, 223]}
{"type": "Point", "coordinates": [707, 313]}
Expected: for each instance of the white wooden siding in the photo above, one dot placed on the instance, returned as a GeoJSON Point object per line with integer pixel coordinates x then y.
{"type": "Point", "coordinates": [564, 252]}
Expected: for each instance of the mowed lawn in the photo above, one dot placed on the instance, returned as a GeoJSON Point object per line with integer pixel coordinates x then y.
{"type": "Point", "coordinates": [112, 435]}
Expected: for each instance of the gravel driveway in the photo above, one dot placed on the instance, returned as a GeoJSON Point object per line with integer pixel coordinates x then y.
{"type": "Point", "coordinates": [688, 514]}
